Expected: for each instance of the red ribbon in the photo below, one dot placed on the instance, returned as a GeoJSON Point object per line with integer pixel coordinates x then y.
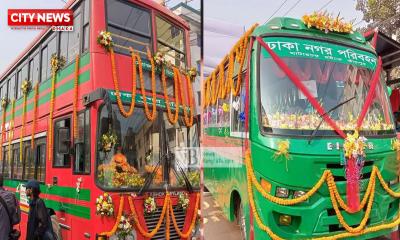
{"type": "Point", "coordinates": [371, 95]}
{"type": "Point", "coordinates": [296, 81]}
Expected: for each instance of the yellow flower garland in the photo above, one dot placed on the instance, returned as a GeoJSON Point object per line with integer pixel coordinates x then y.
{"type": "Point", "coordinates": [335, 199]}
{"type": "Point", "coordinates": [171, 118]}
{"type": "Point", "coordinates": [120, 210]}
{"type": "Point", "coordinates": [75, 103]}
{"type": "Point", "coordinates": [11, 133]}
{"type": "Point", "coordinates": [116, 87]}
{"type": "Point", "coordinates": [35, 112]}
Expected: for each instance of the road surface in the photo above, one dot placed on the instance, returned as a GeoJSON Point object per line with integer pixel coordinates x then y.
{"type": "Point", "coordinates": [216, 226]}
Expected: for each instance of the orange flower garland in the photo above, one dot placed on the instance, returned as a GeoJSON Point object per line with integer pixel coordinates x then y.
{"type": "Point", "coordinates": [116, 87]}
{"type": "Point", "coordinates": [335, 199]}
{"type": "Point", "coordinates": [35, 112]}
{"type": "Point", "coordinates": [226, 83]}
{"type": "Point", "coordinates": [76, 84]}
{"type": "Point", "coordinates": [192, 224]}
{"type": "Point", "coordinates": [50, 129]}
{"type": "Point", "coordinates": [23, 127]}
{"type": "Point", "coordinates": [171, 118]}
{"type": "Point", "coordinates": [325, 22]}
{"type": "Point", "coordinates": [11, 132]}
{"type": "Point", "coordinates": [160, 220]}
{"type": "Point", "coordinates": [120, 210]}
{"type": "Point", "coordinates": [188, 120]}
{"type": "Point", "coordinates": [3, 123]}
{"type": "Point", "coordinates": [149, 116]}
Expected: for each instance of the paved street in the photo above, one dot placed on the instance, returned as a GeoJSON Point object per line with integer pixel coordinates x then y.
{"type": "Point", "coordinates": [216, 226]}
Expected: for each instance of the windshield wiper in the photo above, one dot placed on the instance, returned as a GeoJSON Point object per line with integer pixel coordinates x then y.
{"type": "Point", "coordinates": [322, 119]}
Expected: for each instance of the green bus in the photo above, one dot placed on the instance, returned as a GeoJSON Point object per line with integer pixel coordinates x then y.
{"type": "Point", "coordinates": [279, 113]}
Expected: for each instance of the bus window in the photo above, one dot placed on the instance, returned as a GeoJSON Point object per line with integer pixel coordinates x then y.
{"type": "Point", "coordinates": [29, 166]}
{"type": "Point", "coordinates": [61, 159]}
{"type": "Point", "coordinates": [82, 144]}
{"type": "Point", "coordinates": [44, 64]}
{"type": "Point", "coordinates": [16, 162]}
{"type": "Point", "coordinates": [130, 26]}
{"type": "Point", "coordinates": [74, 39]}
{"type": "Point", "coordinates": [21, 76]}
{"type": "Point", "coordinates": [40, 163]}
{"type": "Point", "coordinates": [170, 41]}
{"type": "Point", "coordinates": [64, 44]}
{"type": "Point", "coordinates": [47, 51]}
{"type": "Point", "coordinates": [85, 45]}
{"type": "Point", "coordinates": [11, 87]}
{"type": "Point", "coordinates": [6, 163]}
{"type": "Point", "coordinates": [237, 108]}
{"type": "Point", "coordinates": [34, 69]}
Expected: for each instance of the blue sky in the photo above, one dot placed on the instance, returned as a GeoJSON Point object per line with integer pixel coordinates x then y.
{"type": "Point", "coordinates": [226, 20]}
{"type": "Point", "coordinates": [13, 42]}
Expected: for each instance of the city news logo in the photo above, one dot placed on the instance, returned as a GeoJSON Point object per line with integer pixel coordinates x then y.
{"type": "Point", "coordinates": [58, 19]}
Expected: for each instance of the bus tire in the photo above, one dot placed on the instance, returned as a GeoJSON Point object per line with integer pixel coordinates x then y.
{"type": "Point", "coordinates": [240, 218]}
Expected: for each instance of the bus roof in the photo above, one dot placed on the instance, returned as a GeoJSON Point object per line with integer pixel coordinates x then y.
{"type": "Point", "coordinates": [151, 4]}
{"type": "Point", "coordinates": [296, 27]}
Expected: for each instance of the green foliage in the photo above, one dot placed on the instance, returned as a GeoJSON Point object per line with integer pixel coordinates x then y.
{"type": "Point", "coordinates": [384, 14]}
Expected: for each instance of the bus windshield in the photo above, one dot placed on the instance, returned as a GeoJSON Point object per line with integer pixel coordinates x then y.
{"type": "Point", "coordinates": [285, 110]}
{"type": "Point", "coordinates": [136, 153]}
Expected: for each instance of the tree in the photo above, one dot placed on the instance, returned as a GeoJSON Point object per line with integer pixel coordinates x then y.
{"type": "Point", "coordinates": [384, 14]}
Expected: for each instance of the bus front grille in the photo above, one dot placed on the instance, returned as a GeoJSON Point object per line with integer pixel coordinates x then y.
{"type": "Point", "coordinates": [338, 171]}
{"type": "Point", "coordinates": [151, 222]}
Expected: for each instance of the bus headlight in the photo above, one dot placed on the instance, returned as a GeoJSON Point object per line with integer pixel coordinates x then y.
{"type": "Point", "coordinates": [285, 220]}
{"type": "Point", "coordinates": [266, 185]}
{"type": "Point", "coordinates": [298, 194]}
{"type": "Point", "coordinates": [282, 192]}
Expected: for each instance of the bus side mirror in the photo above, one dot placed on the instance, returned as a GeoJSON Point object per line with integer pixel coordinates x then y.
{"type": "Point", "coordinates": [64, 140]}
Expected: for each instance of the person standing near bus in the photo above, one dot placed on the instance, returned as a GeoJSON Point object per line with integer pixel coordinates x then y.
{"type": "Point", "coordinates": [10, 213]}
{"type": "Point", "coordinates": [39, 224]}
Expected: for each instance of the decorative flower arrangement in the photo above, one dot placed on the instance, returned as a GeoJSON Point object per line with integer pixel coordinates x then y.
{"type": "Point", "coordinates": [4, 102]}
{"type": "Point", "coordinates": [105, 40]}
{"type": "Point", "coordinates": [325, 22]}
{"type": "Point", "coordinates": [354, 146]}
{"type": "Point", "coordinates": [108, 140]}
{"type": "Point", "coordinates": [104, 205]}
{"type": "Point", "coordinates": [159, 59]}
{"type": "Point", "coordinates": [192, 72]}
{"type": "Point", "coordinates": [194, 177]}
{"type": "Point", "coordinates": [124, 228]}
{"type": "Point", "coordinates": [396, 145]}
{"type": "Point", "coordinates": [127, 179]}
{"type": "Point", "coordinates": [26, 86]}
{"type": "Point", "coordinates": [149, 205]}
{"type": "Point", "coordinates": [158, 178]}
{"type": "Point", "coordinates": [183, 201]}
{"type": "Point", "coordinates": [57, 62]}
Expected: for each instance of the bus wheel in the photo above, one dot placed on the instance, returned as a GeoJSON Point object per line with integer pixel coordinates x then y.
{"type": "Point", "coordinates": [240, 218]}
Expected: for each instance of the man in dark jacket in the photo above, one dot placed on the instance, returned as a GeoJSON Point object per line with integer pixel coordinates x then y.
{"type": "Point", "coordinates": [13, 208]}
{"type": "Point", "coordinates": [38, 218]}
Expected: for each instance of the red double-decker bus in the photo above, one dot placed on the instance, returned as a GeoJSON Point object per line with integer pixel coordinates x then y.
{"type": "Point", "coordinates": [108, 130]}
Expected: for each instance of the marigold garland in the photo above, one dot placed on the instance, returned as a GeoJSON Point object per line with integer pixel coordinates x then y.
{"type": "Point", "coordinates": [225, 84]}
{"type": "Point", "coordinates": [188, 120]}
{"type": "Point", "coordinates": [193, 222]}
{"type": "Point", "coordinates": [160, 220]}
{"type": "Point", "coordinates": [116, 87]}
{"type": "Point", "coordinates": [3, 123]}
{"type": "Point", "coordinates": [171, 118]}
{"type": "Point", "coordinates": [115, 227]}
{"type": "Point", "coordinates": [23, 126]}
{"type": "Point", "coordinates": [335, 199]}
{"type": "Point", "coordinates": [325, 22]}
{"type": "Point", "coordinates": [11, 132]}
{"type": "Point", "coordinates": [35, 112]}
{"type": "Point", "coordinates": [50, 128]}
{"type": "Point", "coordinates": [75, 103]}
